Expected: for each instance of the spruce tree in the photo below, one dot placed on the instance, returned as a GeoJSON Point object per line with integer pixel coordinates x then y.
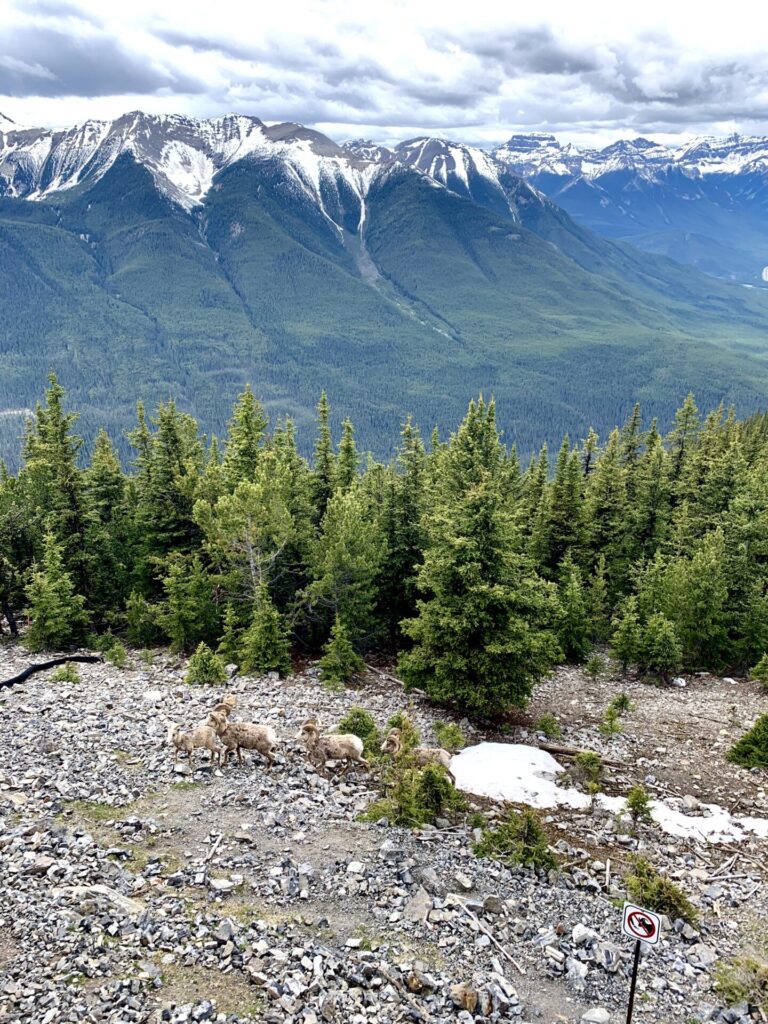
{"type": "Point", "coordinates": [189, 613]}
{"type": "Point", "coordinates": [57, 612]}
{"type": "Point", "coordinates": [627, 639]}
{"type": "Point", "coordinates": [597, 603]}
{"type": "Point", "coordinates": [245, 438]}
{"type": "Point", "coordinates": [265, 647]}
{"type": "Point", "coordinates": [661, 652]}
{"type": "Point", "coordinates": [205, 667]}
{"type": "Point", "coordinates": [483, 633]}
{"type": "Point", "coordinates": [229, 642]}
{"type": "Point", "coordinates": [348, 459]}
{"type": "Point", "coordinates": [340, 661]}
{"type": "Point", "coordinates": [324, 469]}
{"type": "Point", "coordinates": [573, 621]}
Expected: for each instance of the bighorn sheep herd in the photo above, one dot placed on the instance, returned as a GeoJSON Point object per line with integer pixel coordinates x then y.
{"type": "Point", "coordinates": [217, 734]}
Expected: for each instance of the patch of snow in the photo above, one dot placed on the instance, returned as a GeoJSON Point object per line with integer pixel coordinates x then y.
{"type": "Point", "coordinates": [523, 774]}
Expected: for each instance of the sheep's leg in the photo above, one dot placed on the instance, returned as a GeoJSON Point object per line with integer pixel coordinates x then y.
{"type": "Point", "coordinates": [239, 754]}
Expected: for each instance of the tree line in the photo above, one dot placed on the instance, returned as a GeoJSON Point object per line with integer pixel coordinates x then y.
{"type": "Point", "coordinates": [480, 574]}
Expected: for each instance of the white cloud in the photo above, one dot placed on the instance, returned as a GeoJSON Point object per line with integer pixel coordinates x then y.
{"type": "Point", "coordinates": [473, 71]}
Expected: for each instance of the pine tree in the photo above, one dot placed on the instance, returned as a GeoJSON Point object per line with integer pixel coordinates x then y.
{"type": "Point", "coordinates": [58, 613]}
{"type": "Point", "coordinates": [324, 469]}
{"type": "Point", "coordinates": [589, 452]}
{"type": "Point", "coordinates": [661, 651]}
{"type": "Point", "coordinates": [245, 439]}
{"type": "Point", "coordinates": [108, 552]}
{"type": "Point", "coordinates": [481, 637]}
{"type": "Point", "coordinates": [189, 613]}
{"type": "Point", "coordinates": [229, 643]}
{"type": "Point", "coordinates": [573, 623]}
{"type": "Point", "coordinates": [348, 459]}
{"type": "Point", "coordinates": [264, 646]}
{"type": "Point", "coordinates": [346, 562]}
{"type": "Point", "coordinates": [340, 661]}
{"type": "Point", "coordinates": [205, 667]}
{"type": "Point", "coordinates": [682, 439]}
{"type": "Point", "coordinates": [627, 639]}
{"type": "Point", "coordinates": [597, 603]}
{"type": "Point", "coordinates": [606, 515]}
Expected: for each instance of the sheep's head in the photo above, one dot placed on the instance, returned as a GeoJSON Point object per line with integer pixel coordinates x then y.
{"type": "Point", "coordinates": [308, 731]}
{"type": "Point", "coordinates": [173, 731]}
{"type": "Point", "coordinates": [392, 743]}
{"type": "Point", "coordinates": [218, 721]}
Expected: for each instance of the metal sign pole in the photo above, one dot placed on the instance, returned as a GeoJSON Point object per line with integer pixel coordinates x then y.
{"type": "Point", "coordinates": [634, 982]}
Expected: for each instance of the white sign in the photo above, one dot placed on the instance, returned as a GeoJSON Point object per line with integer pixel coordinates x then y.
{"type": "Point", "coordinates": [641, 924]}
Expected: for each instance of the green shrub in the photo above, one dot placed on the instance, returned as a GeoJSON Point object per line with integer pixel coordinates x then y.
{"type": "Point", "coordinates": [621, 704]}
{"type": "Point", "coordinates": [416, 796]}
{"type": "Point", "coordinates": [340, 661]}
{"type": "Point", "coordinates": [264, 646]}
{"type": "Point", "coordinates": [449, 736]}
{"type": "Point", "coordinates": [66, 674]}
{"type": "Point", "coordinates": [360, 723]}
{"type": "Point", "coordinates": [744, 980]}
{"type": "Point", "coordinates": [409, 734]}
{"type": "Point", "coordinates": [205, 667]}
{"type": "Point", "coordinates": [595, 666]}
{"type": "Point", "coordinates": [610, 725]}
{"type": "Point", "coordinates": [549, 726]}
{"type": "Point", "coordinates": [751, 751]}
{"type": "Point", "coordinates": [117, 654]}
{"type": "Point", "coordinates": [588, 767]}
{"type": "Point", "coordinates": [639, 805]}
{"type": "Point", "coordinates": [520, 840]}
{"type": "Point", "coordinates": [760, 671]}
{"type": "Point", "coordinates": [649, 889]}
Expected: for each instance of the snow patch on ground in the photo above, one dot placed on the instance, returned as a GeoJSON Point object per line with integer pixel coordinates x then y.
{"type": "Point", "coordinates": [522, 774]}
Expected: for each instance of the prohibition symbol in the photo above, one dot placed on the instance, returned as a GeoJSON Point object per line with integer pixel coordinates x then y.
{"type": "Point", "coordinates": [641, 924]}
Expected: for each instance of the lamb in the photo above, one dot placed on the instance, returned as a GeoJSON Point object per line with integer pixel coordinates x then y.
{"type": "Point", "coordinates": [202, 736]}
{"type": "Point", "coordinates": [331, 746]}
{"type": "Point", "coordinates": [241, 736]}
{"type": "Point", "coordinates": [393, 744]}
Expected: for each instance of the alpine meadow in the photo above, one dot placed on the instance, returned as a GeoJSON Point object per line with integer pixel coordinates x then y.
{"type": "Point", "coordinates": [383, 513]}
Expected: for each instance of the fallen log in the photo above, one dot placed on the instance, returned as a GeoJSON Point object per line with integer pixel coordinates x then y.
{"type": "Point", "coordinates": [556, 748]}
{"type": "Point", "coordinates": [43, 665]}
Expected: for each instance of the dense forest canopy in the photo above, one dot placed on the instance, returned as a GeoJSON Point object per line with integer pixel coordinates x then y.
{"type": "Point", "coordinates": [477, 572]}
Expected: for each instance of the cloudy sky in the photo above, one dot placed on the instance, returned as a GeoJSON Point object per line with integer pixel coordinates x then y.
{"type": "Point", "coordinates": [477, 71]}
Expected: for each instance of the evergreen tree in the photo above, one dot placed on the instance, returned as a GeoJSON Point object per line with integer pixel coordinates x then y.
{"type": "Point", "coordinates": [189, 613]}
{"type": "Point", "coordinates": [264, 646]}
{"type": "Point", "coordinates": [682, 439]}
{"type": "Point", "coordinates": [205, 667]}
{"type": "Point", "coordinates": [229, 643]}
{"type": "Point", "coordinates": [347, 462]}
{"type": "Point", "coordinates": [597, 603]}
{"type": "Point", "coordinates": [661, 652]}
{"type": "Point", "coordinates": [57, 611]}
{"type": "Point", "coordinates": [340, 661]}
{"type": "Point", "coordinates": [589, 452]}
{"type": "Point", "coordinates": [606, 515]}
{"type": "Point", "coordinates": [245, 438]}
{"type": "Point", "coordinates": [345, 565]}
{"type": "Point", "coordinates": [482, 636]}
{"type": "Point", "coordinates": [324, 470]}
{"type": "Point", "coordinates": [573, 624]}
{"type": "Point", "coordinates": [108, 552]}
{"type": "Point", "coordinates": [627, 639]}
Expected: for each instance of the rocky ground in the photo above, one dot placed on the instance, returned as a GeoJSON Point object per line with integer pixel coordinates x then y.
{"type": "Point", "coordinates": [136, 890]}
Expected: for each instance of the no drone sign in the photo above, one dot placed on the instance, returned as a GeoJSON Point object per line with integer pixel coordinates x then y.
{"type": "Point", "coordinates": [641, 924]}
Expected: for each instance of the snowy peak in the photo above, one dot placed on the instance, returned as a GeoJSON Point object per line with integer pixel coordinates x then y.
{"type": "Point", "coordinates": [366, 149]}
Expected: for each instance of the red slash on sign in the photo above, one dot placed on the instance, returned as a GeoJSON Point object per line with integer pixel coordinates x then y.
{"type": "Point", "coordinates": [641, 924]}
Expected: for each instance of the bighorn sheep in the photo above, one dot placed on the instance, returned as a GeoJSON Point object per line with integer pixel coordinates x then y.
{"type": "Point", "coordinates": [331, 746]}
{"type": "Point", "coordinates": [393, 744]}
{"type": "Point", "coordinates": [241, 736]}
{"type": "Point", "coordinates": [225, 707]}
{"type": "Point", "coordinates": [202, 736]}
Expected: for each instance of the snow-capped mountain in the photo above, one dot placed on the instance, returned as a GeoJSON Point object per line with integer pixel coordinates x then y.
{"type": "Point", "coordinates": [705, 202]}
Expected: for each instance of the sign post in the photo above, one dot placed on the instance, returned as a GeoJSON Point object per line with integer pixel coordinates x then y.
{"type": "Point", "coordinates": [642, 926]}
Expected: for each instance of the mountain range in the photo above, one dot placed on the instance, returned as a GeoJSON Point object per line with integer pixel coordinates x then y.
{"type": "Point", "coordinates": [149, 257]}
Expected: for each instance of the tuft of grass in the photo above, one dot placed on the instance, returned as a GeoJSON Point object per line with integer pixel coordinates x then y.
{"type": "Point", "coordinates": [520, 840]}
{"type": "Point", "coordinates": [743, 980]}
{"type": "Point", "coordinates": [549, 726]}
{"type": "Point", "coordinates": [648, 888]}
{"type": "Point", "coordinates": [94, 810]}
{"type": "Point", "coordinates": [449, 736]}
